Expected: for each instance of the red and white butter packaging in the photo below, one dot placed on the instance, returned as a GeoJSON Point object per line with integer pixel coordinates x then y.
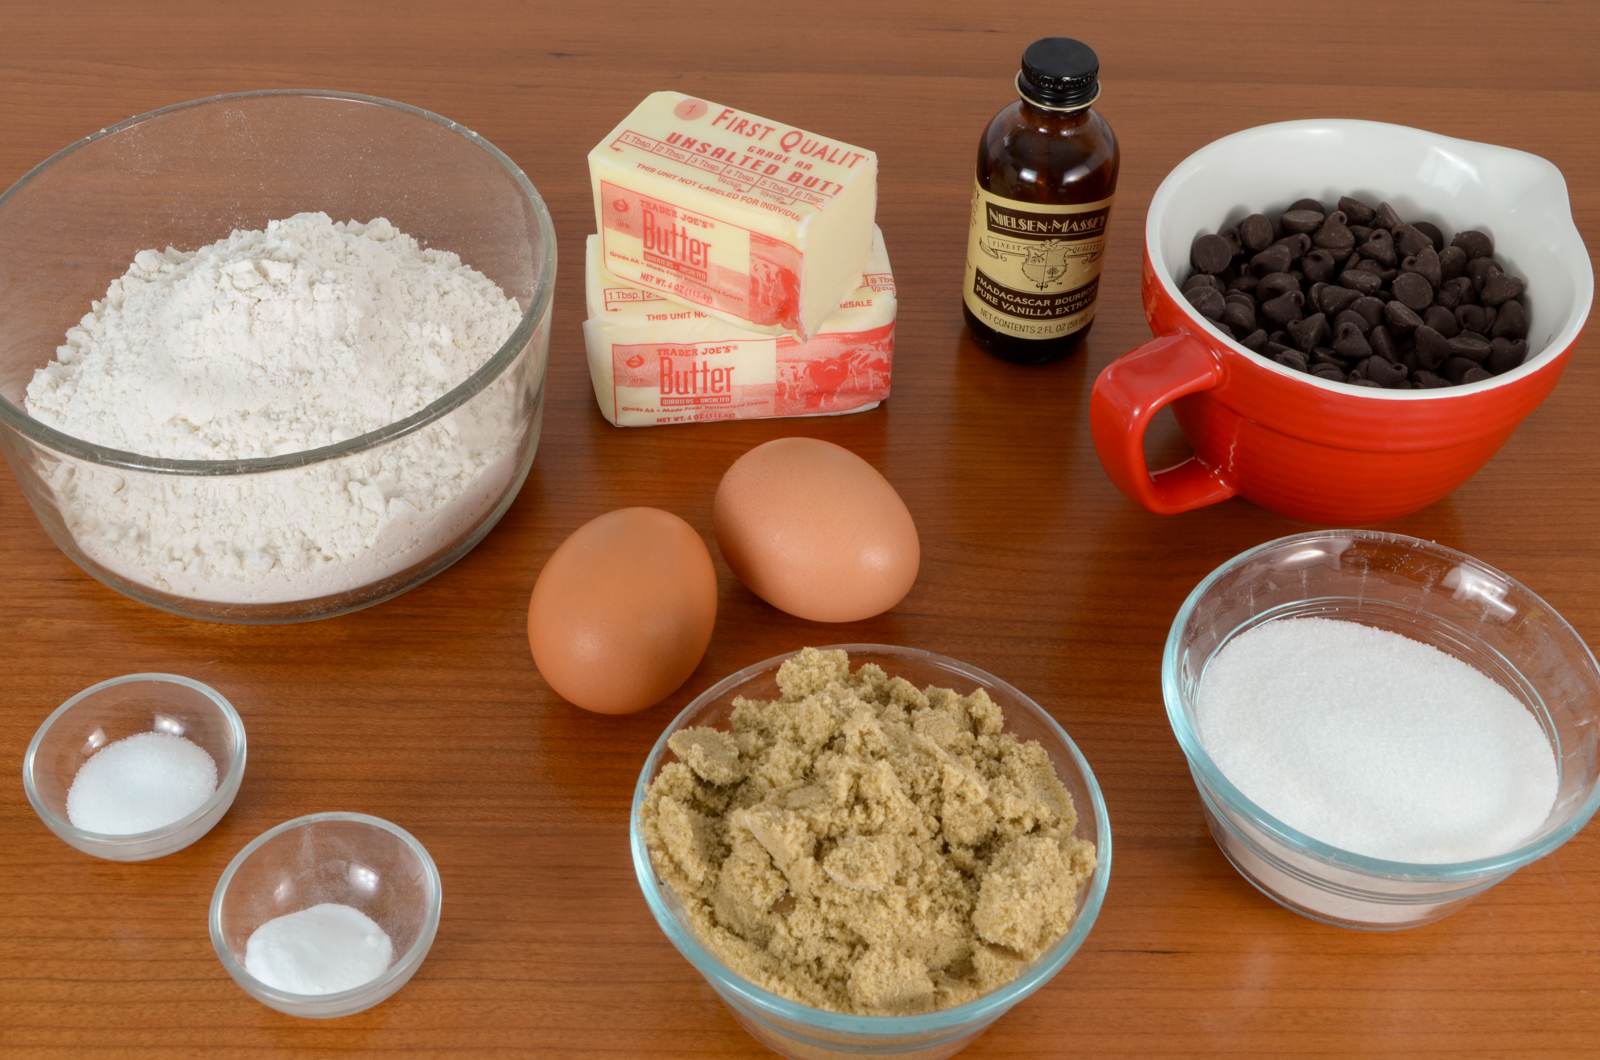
{"type": "Point", "coordinates": [654, 360]}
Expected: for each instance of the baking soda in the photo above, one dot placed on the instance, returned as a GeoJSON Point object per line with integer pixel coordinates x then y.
{"type": "Point", "coordinates": [323, 949]}
{"type": "Point", "coordinates": [1375, 743]}
{"type": "Point", "coordinates": [140, 783]}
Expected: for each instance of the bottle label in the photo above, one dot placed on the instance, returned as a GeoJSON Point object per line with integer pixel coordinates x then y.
{"type": "Point", "coordinates": [1033, 269]}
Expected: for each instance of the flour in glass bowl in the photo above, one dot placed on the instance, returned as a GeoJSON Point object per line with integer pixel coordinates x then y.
{"type": "Point", "coordinates": [272, 342]}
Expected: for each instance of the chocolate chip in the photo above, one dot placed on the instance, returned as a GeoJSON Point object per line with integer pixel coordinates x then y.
{"type": "Point", "coordinates": [1350, 343]}
{"type": "Point", "coordinates": [1452, 293]}
{"type": "Point", "coordinates": [1240, 316]}
{"type": "Point", "coordinates": [1309, 332]}
{"type": "Point", "coordinates": [1361, 232]}
{"type": "Point", "coordinates": [1387, 218]}
{"type": "Point", "coordinates": [1384, 372]}
{"type": "Point", "coordinates": [1361, 281]}
{"type": "Point", "coordinates": [1207, 301]}
{"type": "Point", "coordinates": [1505, 354]}
{"type": "Point", "coordinates": [1319, 265]}
{"type": "Point", "coordinates": [1413, 290]}
{"type": "Point", "coordinates": [1401, 316]}
{"type": "Point", "coordinates": [1423, 379]}
{"type": "Point", "coordinates": [1232, 236]}
{"type": "Point", "coordinates": [1471, 345]}
{"type": "Point", "coordinates": [1276, 258]}
{"type": "Point", "coordinates": [1333, 298]}
{"type": "Point", "coordinates": [1272, 348]}
{"type": "Point", "coordinates": [1457, 367]}
{"type": "Point", "coordinates": [1334, 234]}
{"type": "Point", "coordinates": [1357, 211]}
{"type": "Point", "coordinates": [1441, 320]}
{"type": "Point", "coordinates": [1432, 348]}
{"type": "Point", "coordinates": [1242, 282]}
{"type": "Point", "coordinates": [1351, 317]}
{"type": "Point", "coordinates": [1356, 380]}
{"type": "Point", "coordinates": [1410, 240]}
{"type": "Point", "coordinates": [1328, 371]}
{"type": "Point", "coordinates": [1292, 359]}
{"type": "Point", "coordinates": [1476, 244]}
{"type": "Point", "coordinates": [1511, 322]}
{"type": "Point", "coordinates": [1500, 288]}
{"type": "Point", "coordinates": [1273, 284]}
{"type": "Point", "coordinates": [1299, 220]}
{"type": "Point", "coordinates": [1211, 253]}
{"type": "Point", "coordinates": [1431, 230]}
{"type": "Point", "coordinates": [1452, 262]}
{"type": "Point", "coordinates": [1256, 232]}
{"type": "Point", "coordinates": [1382, 341]}
{"type": "Point", "coordinates": [1476, 374]}
{"type": "Point", "coordinates": [1255, 340]}
{"type": "Point", "coordinates": [1201, 279]}
{"type": "Point", "coordinates": [1473, 318]}
{"type": "Point", "coordinates": [1481, 270]}
{"type": "Point", "coordinates": [1425, 263]}
{"type": "Point", "coordinates": [1284, 308]}
{"type": "Point", "coordinates": [1370, 308]}
{"type": "Point", "coordinates": [1380, 247]}
{"type": "Point", "coordinates": [1298, 244]}
{"type": "Point", "coordinates": [1308, 204]}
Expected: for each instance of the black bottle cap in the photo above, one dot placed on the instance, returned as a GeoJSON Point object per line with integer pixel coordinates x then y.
{"type": "Point", "coordinates": [1060, 72]}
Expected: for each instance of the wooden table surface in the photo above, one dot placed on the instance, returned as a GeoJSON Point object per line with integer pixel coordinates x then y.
{"type": "Point", "coordinates": [428, 711]}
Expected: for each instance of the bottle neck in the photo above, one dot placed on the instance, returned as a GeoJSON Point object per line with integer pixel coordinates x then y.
{"type": "Point", "coordinates": [1055, 118]}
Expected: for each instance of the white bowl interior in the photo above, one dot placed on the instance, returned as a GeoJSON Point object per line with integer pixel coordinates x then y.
{"type": "Point", "coordinates": [1518, 198]}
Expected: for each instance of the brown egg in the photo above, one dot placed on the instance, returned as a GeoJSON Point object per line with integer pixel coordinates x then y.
{"type": "Point", "coordinates": [622, 612]}
{"type": "Point", "coordinates": [816, 531]}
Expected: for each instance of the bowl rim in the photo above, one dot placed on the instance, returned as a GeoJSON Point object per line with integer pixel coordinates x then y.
{"type": "Point", "coordinates": [980, 1010]}
{"type": "Point", "coordinates": [230, 774]}
{"type": "Point", "coordinates": [342, 1002]}
{"type": "Point", "coordinates": [1575, 255]}
{"type": "Point", "coordinates": [1207, 774]}
{"type": "Point", "coordinates": [15, 417]}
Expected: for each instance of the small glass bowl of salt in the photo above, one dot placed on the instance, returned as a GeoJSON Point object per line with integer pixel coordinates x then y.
{"type": "Point", "coordinates": [326, 915]}
{"type": "Point", "coordinates": [137, 767]}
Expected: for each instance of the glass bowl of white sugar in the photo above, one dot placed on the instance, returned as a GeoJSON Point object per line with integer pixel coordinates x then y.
{"type": "Point", "coordinates": [273, 356]}
{"type": "Point", "coordinates": [136, 767]}
{"type": "Point", "coordinates": [326, 915]}
{"type": "Point", "coordinates": [1381, 728]}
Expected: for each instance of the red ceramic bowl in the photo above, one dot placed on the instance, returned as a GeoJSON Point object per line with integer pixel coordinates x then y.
{"type": "Point", "coordinates": [1306, 447]}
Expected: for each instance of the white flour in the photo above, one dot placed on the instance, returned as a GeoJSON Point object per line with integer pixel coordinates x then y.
{"type": "Point", "coordinates": [273, 342]}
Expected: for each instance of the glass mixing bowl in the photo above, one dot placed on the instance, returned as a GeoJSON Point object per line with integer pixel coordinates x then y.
{"type": "Point", "coordinates": [186, 176]}
{"type": "Point", "coordinates": [1436, 595]}
{"type": "Point", "coordinates": [795, 1030]}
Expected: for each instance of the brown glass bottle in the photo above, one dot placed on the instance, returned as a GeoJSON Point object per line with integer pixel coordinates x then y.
{"type": "Point", "coordinates": [1046, 175]}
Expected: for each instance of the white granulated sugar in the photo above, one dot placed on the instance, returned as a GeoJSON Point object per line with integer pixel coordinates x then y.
{"type": "Point", "coordinates": [1375, 743]}
{"type": "Point", "coordinates": [273, 342]}
{"type": "Point", "coordinates": [140, 783]}
{"type": "Point", "coordinates": [323, 949]}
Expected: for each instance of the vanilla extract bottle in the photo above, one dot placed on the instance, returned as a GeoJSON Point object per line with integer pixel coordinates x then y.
{"type": "Point", "coordinates": [1046, 175]}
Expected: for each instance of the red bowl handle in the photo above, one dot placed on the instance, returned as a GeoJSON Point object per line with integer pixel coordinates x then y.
{"type": "Point", "coordinates": [1134, 388]}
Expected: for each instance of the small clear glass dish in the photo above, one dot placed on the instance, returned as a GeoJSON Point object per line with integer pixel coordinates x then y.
{"type": "Point", "coordinates": [121, 707]}
{"type": "Point", "coordinates": [1429, 593]}
{"type": "Point", "coordinates": [349, 858]}
{"type": "Point", "coordinates": [795, 1030]}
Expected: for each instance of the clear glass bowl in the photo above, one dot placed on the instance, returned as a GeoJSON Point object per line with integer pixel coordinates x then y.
{"type": "Point", "coordinates": [350, 858]}
{"type": "Point", "coordinates": [122, 707]}
{"type": "Point", "coordinates": [1431, 594]}
{"type": "Point", "coordinates": [185, 176]}
{"type": "Point", "coordinates": [797, 1030]}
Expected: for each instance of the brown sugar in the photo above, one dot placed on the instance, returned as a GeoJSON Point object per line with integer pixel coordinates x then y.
{"type": "Point", "coordinates": [865, 846]}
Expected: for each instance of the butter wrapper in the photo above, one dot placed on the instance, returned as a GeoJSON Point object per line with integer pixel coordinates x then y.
{"type": "Point", "coordinates": [654, 360]}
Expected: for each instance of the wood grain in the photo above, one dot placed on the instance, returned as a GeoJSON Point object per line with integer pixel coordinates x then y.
{"type": "Point", "coordinates": [428, 711]}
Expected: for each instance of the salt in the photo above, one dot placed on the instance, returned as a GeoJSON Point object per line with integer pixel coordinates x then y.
{"type": "Point", "coordinates": [1375, 743]}
{"type": "Point", "coordinates": [140, 783]}
{"type": "Point", "coordinates": [323, 949]}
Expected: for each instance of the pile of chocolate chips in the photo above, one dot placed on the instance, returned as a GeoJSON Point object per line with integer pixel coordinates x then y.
{"type": "Point", "coordinates": [1356, 295]}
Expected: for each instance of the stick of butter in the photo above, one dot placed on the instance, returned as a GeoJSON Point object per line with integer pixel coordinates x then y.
{"type": "Point", "coordinates": [654, 361]}
{"type": "Point", "coordinates": [753, 221]}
